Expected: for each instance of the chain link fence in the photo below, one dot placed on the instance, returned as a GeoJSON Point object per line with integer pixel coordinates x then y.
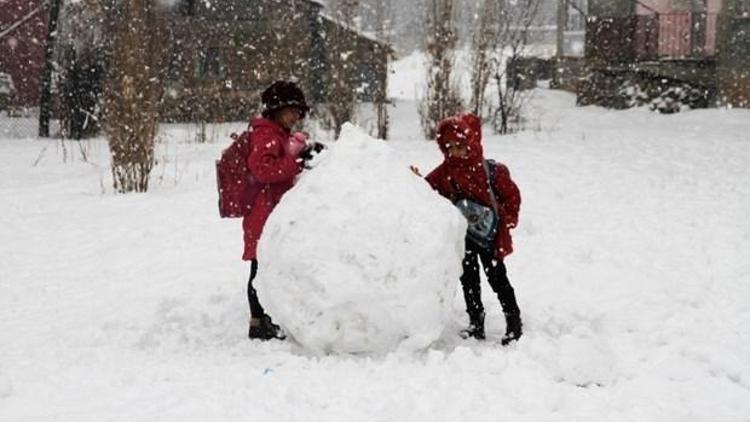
{"type": "Point", "coordinates": [24, 124]}
{"type": "Point", "coordinates": [19, 123]}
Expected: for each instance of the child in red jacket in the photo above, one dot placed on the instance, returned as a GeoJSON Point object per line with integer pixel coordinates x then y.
{"type": "Point", "coordinates": [464, 175]}
{"type": "Point", "coordinates": [276, 157]}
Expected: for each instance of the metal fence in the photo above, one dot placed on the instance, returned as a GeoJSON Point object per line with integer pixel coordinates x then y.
{"type": "Point", "coordinates": [19, 123]}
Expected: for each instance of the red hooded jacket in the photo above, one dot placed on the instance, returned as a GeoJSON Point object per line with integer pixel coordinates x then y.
{"type": "Point", "coordinates": [465, 178]}
{"type": "Point", "coordinates": [270, 163]}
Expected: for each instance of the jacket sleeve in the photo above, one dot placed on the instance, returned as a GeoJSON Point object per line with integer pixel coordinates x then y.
{"type": "Point", "coordinates": [268, 161]}
{"type": "Point", "coordinates": [510, 196]}
{"type": "Point", "coordinates": [436, 179]}
{"type": "Point", "coordinates": [433, 178]}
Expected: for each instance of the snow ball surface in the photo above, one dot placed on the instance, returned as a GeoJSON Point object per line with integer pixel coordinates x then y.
{"type": "Point", "coordinates": [361, 256]}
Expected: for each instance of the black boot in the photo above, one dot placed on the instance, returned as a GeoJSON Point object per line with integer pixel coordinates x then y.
{"type": "Point", "coordinates": [475, 328]}
{"type": "Point", "coordinates": [513, 329]}
{"type": "Point", "coordinates": [266, 330]}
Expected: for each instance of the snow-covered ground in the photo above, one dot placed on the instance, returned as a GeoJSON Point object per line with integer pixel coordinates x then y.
{"type": "Point", "coordinates": [631, 269]}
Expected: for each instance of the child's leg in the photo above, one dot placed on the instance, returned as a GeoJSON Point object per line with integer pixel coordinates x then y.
{"type": "Point", "coordinates": [261, 326]}
{"type": "Point", "coordinates": [256, 310]}
{"type": "Point", "coordinates": [497, 276]}
{"type": "Point", "coordinates": [470, 283]}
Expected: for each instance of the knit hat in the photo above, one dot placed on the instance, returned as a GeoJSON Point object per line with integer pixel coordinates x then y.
{"type": "Point", "coordinates": [283, 94]}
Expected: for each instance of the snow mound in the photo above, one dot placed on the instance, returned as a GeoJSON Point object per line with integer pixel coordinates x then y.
{"type": "Point", "coordinates": [6, 387]}
{"type": "Point", "coordinates": [361, 256]}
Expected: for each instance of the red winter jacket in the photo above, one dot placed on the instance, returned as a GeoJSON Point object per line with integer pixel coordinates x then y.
{"type": "Point", "coordinates": [270, 163]}
{"type": "Point", "coordinates": [458, 179]}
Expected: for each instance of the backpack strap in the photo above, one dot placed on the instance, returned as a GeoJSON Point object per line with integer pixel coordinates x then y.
{"type": "Point", "coordinates": [490, 170]}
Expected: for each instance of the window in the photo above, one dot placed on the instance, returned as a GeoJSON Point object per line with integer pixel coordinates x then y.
{"type": "Point", "coordinates": [187, 7]}
{"type": "Point", "coordinates": [210, 64]}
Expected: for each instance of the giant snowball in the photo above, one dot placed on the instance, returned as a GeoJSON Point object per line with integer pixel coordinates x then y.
{"type": "Point", "coordinates": [361, 256]}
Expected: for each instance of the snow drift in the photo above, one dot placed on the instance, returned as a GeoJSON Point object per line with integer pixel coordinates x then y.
{"type": "Point", "coordinates": [361, 256]}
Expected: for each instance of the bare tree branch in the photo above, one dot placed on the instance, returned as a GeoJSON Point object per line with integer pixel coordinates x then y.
{"type": "Point", "coordinates": [483, 42]}
{"type": "Point", "coordinates": [342, 94]}
{"type": "Point", "coordinates": [516, 17]}
{"type": "Point", "coordinates": [442, 97]}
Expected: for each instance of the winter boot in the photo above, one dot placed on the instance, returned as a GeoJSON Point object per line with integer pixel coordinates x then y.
{"type": "Point", "coordinates": [266, 330]}
{"type": "Point", "coordinates": [475, 328]}
{"type": "Point", "coordinates": [513, 330]}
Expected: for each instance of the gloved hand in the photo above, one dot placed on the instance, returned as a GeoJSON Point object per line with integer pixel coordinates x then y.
{"type": "Point", "coordinates": [311, 150]}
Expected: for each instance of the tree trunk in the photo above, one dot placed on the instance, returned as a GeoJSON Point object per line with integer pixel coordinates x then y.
{"type": "Point", "coordinates": [45, 102]}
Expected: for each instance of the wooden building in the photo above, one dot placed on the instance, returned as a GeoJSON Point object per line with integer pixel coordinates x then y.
{"type": "Point", "coordinates": [218, 55]}
{"type": "Point", "coordinates": [222, 55]}
{"type": "Point", "coordinates": [702, 43]}
{"type": "Point", "coordinates": [23, 25]}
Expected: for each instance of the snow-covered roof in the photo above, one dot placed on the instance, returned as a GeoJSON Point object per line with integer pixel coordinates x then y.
{"type": "Point", "coordinates": [364, 34]}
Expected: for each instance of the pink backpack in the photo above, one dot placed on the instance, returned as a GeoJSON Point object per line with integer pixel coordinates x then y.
{"type": "Point", "coordinates": [237, 187]}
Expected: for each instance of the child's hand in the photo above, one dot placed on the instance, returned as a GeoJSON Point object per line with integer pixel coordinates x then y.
{"type": "Point", "coordinates": [301, 136]}
{"type": "Point", "coordinates": [415, 170]}
{"type": "Point", "coordinates": [295, 144]}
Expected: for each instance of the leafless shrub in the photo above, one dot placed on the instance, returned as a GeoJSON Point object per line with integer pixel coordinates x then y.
{"type": "Point", "coordinates": [342, 41]}
{"type": "Point", "coordinates": [132, 92]}
{"type": "Point", "coordinates": [442, 97]}
{"type": "Point", "coordinates": [482, 49]}
{"type": "Point", "coordinates": [515, 19]}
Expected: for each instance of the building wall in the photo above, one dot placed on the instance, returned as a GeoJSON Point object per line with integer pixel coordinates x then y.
{"type": "Point", "coordinates": [22, 51]}
{"type": "Point", "coordinates": [676, 21]}
{"type": "Point", "coordinates": [219, 65]}
{"type": "Point", "coordinates": [370, 59]}
{"type": "Point", "coordinates": [669, 6]}
{"type": "Point", "coordinates": [659, 28]}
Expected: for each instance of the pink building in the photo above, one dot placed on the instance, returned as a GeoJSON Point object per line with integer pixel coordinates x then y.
{"type": "Point", "coordinates": [682, 27]}
{"type": "Point", "coordinates": [667, 6]}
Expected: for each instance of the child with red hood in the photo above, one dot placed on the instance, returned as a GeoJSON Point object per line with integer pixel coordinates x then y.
{"type": "Point", "coordinates": [276, 157]}
{"type": "Point", "coordinates": [464, 175]}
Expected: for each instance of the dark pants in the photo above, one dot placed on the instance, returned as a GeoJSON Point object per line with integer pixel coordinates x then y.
{"type": "Point", "coordinates": [256, 310]}
{"type": "Point", "coordinates": [497, 276]}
